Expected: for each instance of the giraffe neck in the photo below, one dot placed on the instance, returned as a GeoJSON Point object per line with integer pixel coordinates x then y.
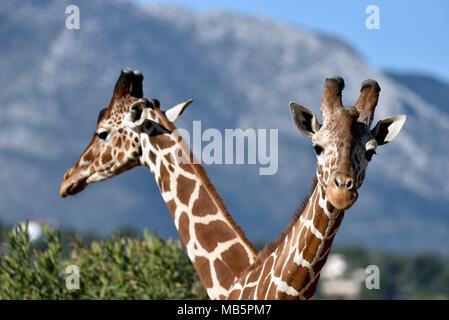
{"type": "Point", "coordinates": [292, 270]}
{"type": "Point", "coordinates": [216, 246]}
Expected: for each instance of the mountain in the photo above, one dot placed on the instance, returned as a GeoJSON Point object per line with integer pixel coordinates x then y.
{"type": "Point", "coordinates": [242, 72]}
{"type": "Point", "coordinates": [427, 87]}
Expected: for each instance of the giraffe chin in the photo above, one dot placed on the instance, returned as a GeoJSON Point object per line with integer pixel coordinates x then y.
{"type": "Point", "coordinates": [341, 199]}
{"type": "Point", "coordinates": [70, 189]}
{"type": "Point", "coordinates": [70, 186]}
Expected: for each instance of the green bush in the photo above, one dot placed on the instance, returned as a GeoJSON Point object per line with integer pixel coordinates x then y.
{"type": "Point", "coordinates": [118, 268]}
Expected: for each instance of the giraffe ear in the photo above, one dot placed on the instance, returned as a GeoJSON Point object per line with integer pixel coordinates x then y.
{"type": "Point", "coordinates": [173, 113]}
{"type": "Point", "coordinates": [304, 119]}
{"type": "Point", "coordinates": [138, 112]}
{"type": "Point", "coordinates": [387, 129]}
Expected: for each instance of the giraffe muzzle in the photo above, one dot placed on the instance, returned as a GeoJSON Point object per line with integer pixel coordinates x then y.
{"type": "Point", "coordinates": [341, 191]}
{"type": "Point", "coordinates": [74, 182]}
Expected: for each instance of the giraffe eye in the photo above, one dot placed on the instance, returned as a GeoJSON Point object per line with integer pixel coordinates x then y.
{"type": "Point", "coordinates": [103, 135]}
{"type": "Point", "coordinates": [369, 154]}
{"type": "Point", "coordinates": [318, 149]}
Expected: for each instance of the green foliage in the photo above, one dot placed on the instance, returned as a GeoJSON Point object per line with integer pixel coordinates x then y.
{"type": "Point", "coordinates": [118, 268]}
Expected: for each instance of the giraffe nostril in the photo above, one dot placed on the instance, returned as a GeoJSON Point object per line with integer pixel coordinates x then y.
{"type": "Point", "coordinates": [343, 181]}
{"type": "Point", "coordinates": [336, 182]}
{"type": "Point", "coordinates": [349, 183]}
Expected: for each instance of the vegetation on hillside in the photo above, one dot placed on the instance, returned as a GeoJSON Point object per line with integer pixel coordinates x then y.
{"type": "Point", "coordinates": [132, 266]}
{"type": "Point", "coordinates": [118, 268]}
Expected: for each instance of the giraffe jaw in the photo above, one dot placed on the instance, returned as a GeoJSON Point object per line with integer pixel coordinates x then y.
{"type": "Point", "coordinates": [76, 179]}
{"type": "Point", "coordinates": [75, 183]}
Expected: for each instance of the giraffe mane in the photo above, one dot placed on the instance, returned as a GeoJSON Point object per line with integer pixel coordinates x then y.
{"type": "Point", "coordinates": [271, 246]}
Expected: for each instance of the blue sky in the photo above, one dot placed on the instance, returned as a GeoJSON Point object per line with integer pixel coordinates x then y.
{"type": "Point", "coordinates": [413, 35]}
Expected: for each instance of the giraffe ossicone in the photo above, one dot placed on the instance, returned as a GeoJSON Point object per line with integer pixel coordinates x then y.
{"type": "Point", "coordinates": [134, 131]}
{"type": "Point", "coordinates": [289, 268]}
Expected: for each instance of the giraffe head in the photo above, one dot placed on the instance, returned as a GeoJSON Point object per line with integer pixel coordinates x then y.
{"type": "Point", "coordinates": [117, 142]}
{"type": "Point", "coordinates": [344, 144]}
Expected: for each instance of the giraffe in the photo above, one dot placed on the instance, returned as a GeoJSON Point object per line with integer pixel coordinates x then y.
{"type": "Point", "coordinates": [133, 131]}
{"type": "Point", "coordinates": [289, 268]}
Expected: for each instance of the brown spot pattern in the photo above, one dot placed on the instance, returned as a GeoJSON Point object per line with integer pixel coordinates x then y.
{"type": "Point", "coordinates": [88, 157]}
{"type": "Point", "coordinates": [234, 295]}
{"type": "Point", "coordinates": [236, 257]}
{"type": "Point", "coordinates": [183, 227]}
{"type": "Point", "coordinates": [255, 274]}
{"type": "Point", "coordinates": [203, 205]}
{"type": "Point", "coordinates": [164, 141]}
{"type": "Point", "coordinates": [209, 235]}
{"type": "Point", "coordinates": [224, 275]}
{"type": "Point", "coordinates": [247, 293]}
{"type": "Point", "coordinates": [202, 266]}
{"type": "Point", "coordinates": [312, 244]}
{"type": "Point", "coordinates": [184, 189]}
{"type": "Point", "coordinates": [165, 178]}
{"type": "Point", "coordinates": [152, 157]}
{"type": "Point", "coordinates": [107, 156]}
{"type": "Point", "coordinates": [171, 207]}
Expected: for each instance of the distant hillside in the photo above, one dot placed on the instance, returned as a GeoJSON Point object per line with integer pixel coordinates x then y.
{"type": "Point", "coordinates": [429, 88]}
